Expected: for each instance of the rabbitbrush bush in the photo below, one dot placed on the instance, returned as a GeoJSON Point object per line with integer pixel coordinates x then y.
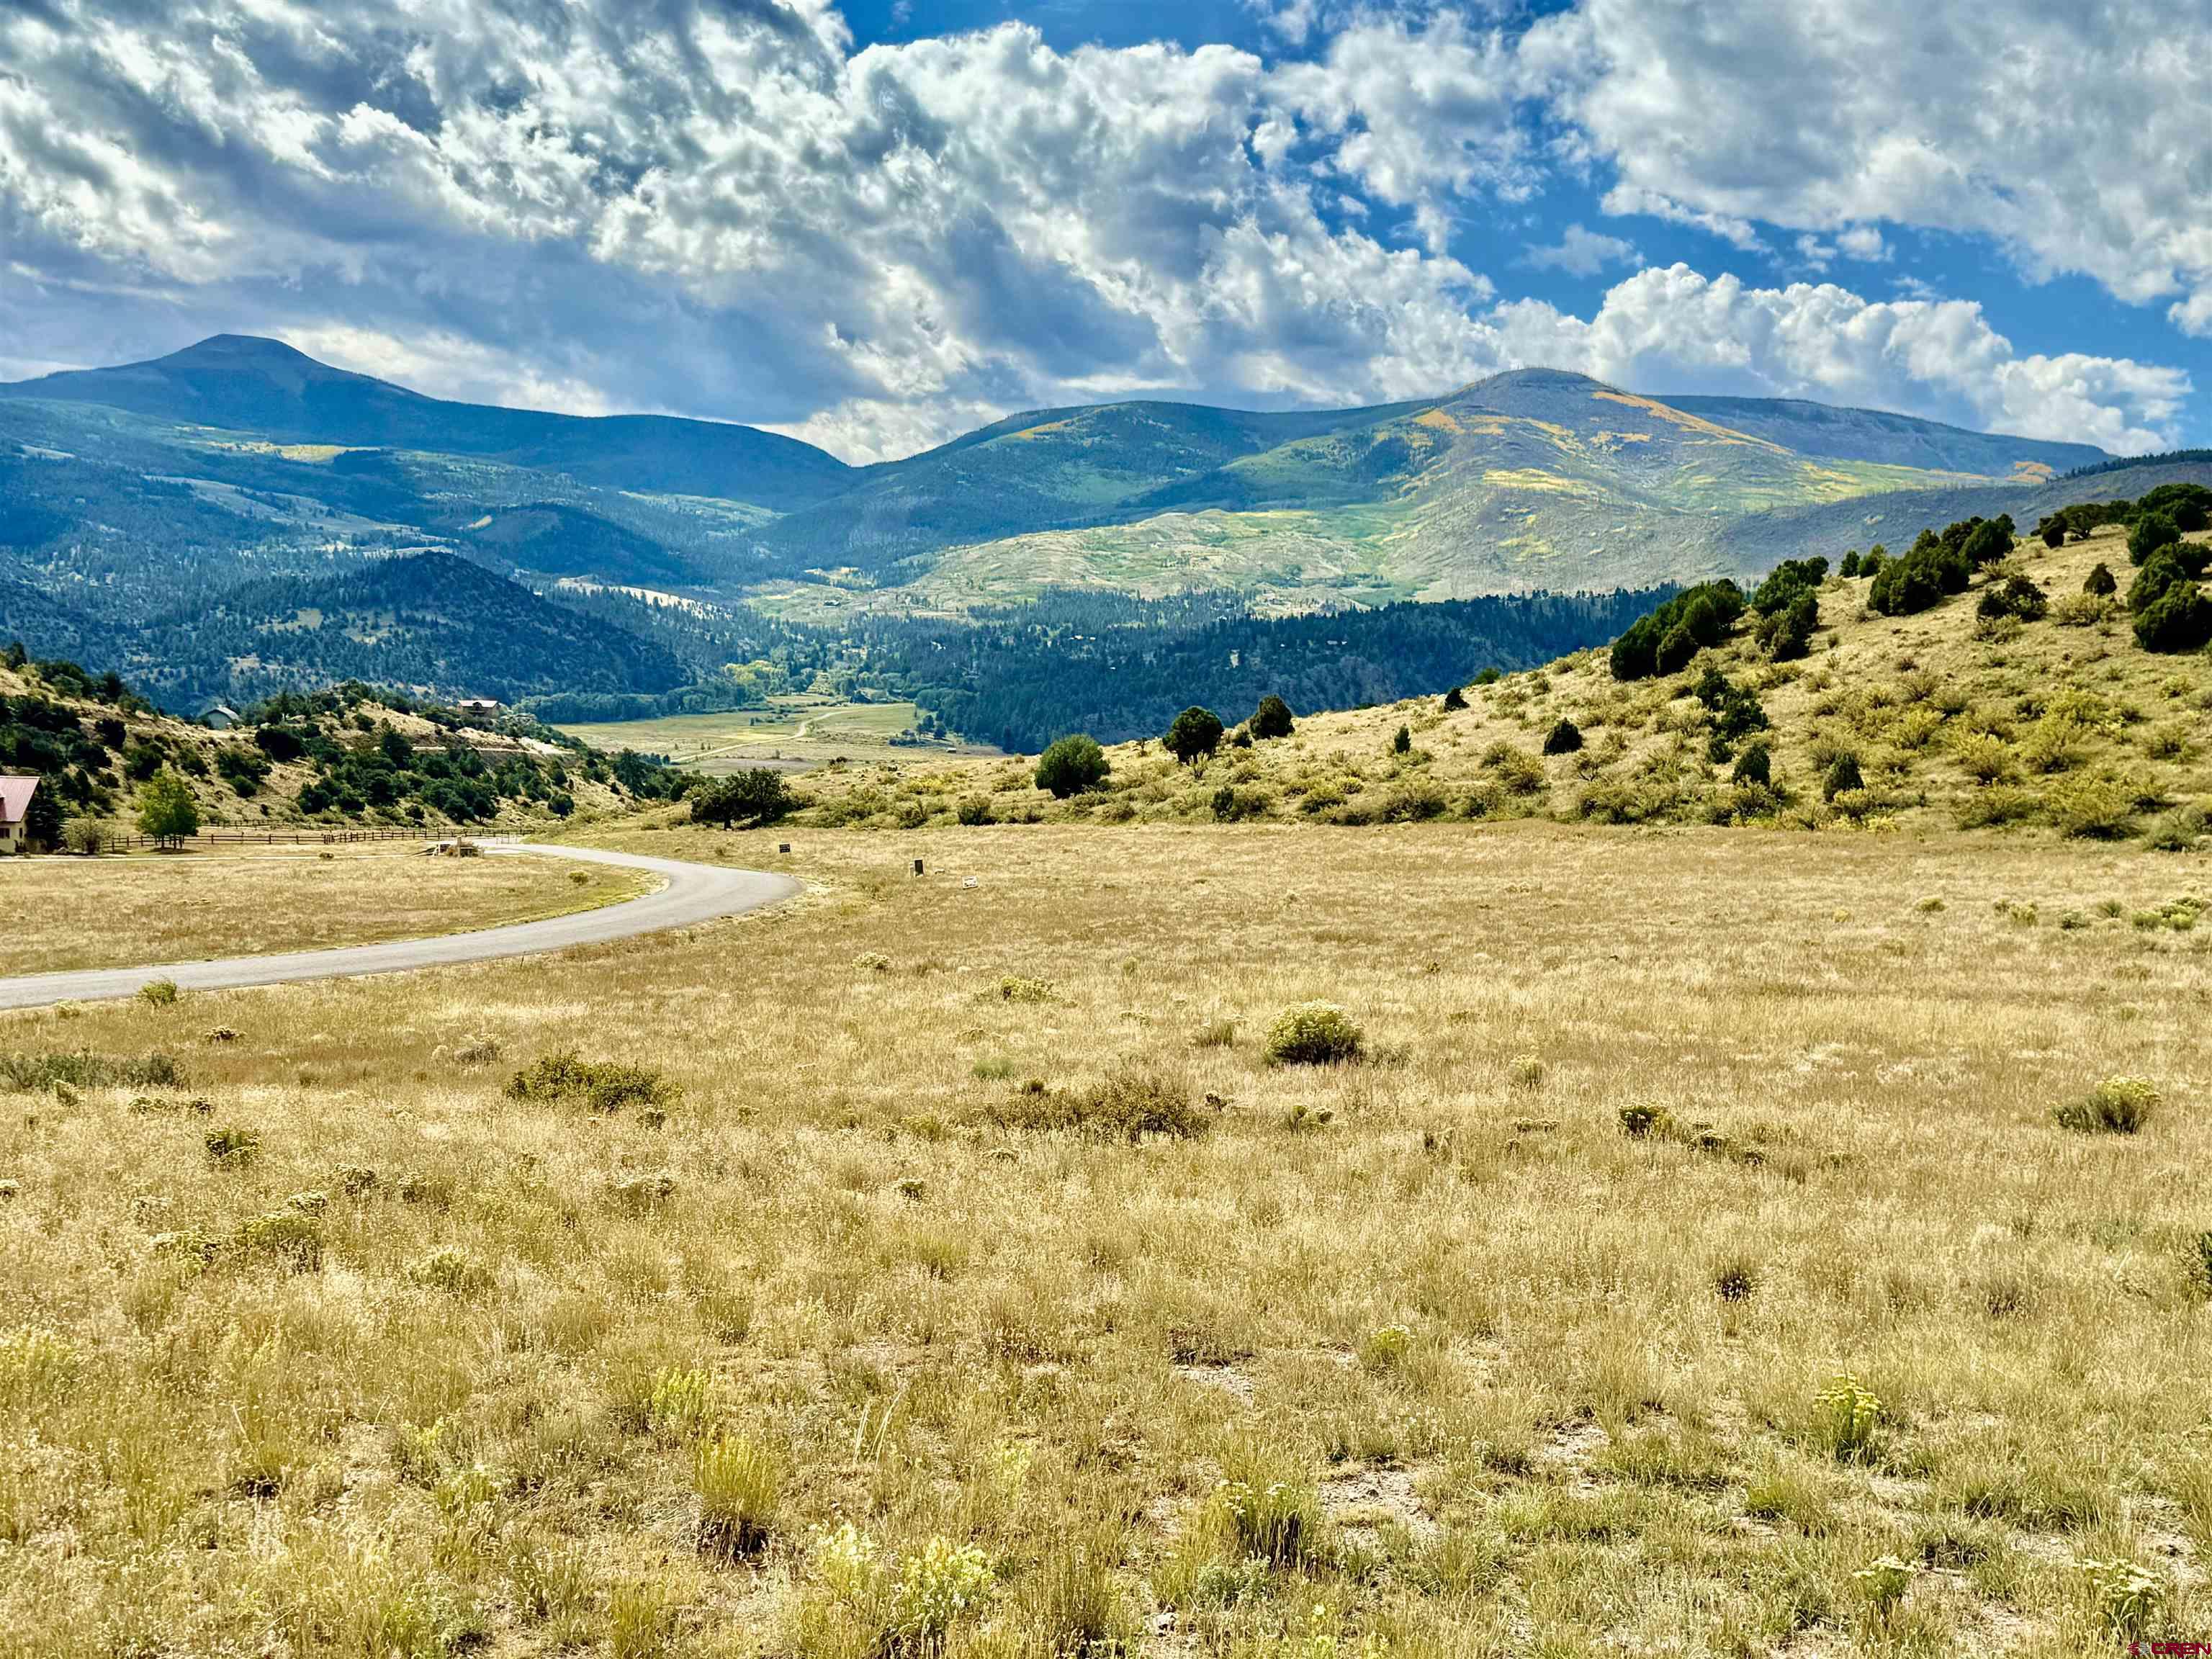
{"type": "Point", "coordinates": [738, 1485]}
{"type": "Point", "coordinates": [1844, 1415]}
{"type": "Point", "coordinates": [1314, 1034]}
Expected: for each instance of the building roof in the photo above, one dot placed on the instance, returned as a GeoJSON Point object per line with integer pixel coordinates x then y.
{"type": "Point", "coordinates": [15, 795]}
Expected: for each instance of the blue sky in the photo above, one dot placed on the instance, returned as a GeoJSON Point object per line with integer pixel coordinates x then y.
{"type": "Point", "coordinates": [875, 226]}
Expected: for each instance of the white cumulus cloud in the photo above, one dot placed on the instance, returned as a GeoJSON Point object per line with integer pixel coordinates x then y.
{"type": "Point", "coordinates": [1675, 330]}
{"type": "Point", "coordinates": [728, 208]}
{"type": "Point", "coordinates": [2077, 135]}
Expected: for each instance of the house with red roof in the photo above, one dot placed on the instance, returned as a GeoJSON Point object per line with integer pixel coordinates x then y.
{"type": "Point", "coordinates": [15, 795]}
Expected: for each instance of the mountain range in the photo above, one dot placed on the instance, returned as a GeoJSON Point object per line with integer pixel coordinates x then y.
{"type": "Point", "coordinates": [191, 515]}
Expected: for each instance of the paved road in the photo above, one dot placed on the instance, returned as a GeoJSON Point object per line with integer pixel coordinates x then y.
{"type": "Point", "coordinates": [692, 893]}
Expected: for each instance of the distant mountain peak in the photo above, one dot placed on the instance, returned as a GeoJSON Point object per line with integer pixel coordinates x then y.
{"type": "Point", "coordinates": [253, 353]}
{"type": "Point", "coordinates": [234, 346]}
{"type": "Point", "coordinates": [1537, 375]}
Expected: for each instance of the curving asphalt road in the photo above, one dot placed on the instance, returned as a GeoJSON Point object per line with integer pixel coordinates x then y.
{"type": "Point", "coordinates": [692, 893]}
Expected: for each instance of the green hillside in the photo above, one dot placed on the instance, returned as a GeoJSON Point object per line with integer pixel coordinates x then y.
{"type": "Point", "coordinates": [1876, 434]}
{"type": "Point", "coordinates": [1046, 469]}
{"type": "Point", "coordinates": [1534, 479]}
{"type": "Point", "coordinates": [241, 384]}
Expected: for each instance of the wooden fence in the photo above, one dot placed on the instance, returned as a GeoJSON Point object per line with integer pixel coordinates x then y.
{"type": "Point", "coordinates": [214, 838]}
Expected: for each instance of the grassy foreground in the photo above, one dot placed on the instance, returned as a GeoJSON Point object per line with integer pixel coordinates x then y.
{"type": "Point", "coordinates": [838, 1337]}
{"type": "Point", "coordinates": [155, 908]}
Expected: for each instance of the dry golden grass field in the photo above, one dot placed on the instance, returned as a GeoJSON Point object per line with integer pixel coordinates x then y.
{"type": "Point", "coordinates": [155, 907]}
{"type": "Point", "coordinates": [938, 1269]}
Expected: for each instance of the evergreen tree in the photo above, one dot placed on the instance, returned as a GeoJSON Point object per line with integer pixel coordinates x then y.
{"type": "Point", "coordinates": [1271, 719]}
{"type": "Point", "coordinates": [1193, 734]}
{"type": "Point", "coordinates": [1071, 765]}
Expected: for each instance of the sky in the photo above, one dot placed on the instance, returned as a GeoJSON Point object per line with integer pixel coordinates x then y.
{"type": "Point", "coordinates": [877, 226]}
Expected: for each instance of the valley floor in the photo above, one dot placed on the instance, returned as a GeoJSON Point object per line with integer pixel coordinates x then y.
{"type": "Point", "coordinates": [789, 734]}
{"type": "Point", "coordinates": [841, 1335]}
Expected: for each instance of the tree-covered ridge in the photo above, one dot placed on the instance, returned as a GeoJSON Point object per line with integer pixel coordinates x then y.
{"type": "Point", "coordinates": [1018, 678]}
{"type": "Point", "coordinates": [432, 621]}
{"type": "Point", "coordinates": [349, 755]}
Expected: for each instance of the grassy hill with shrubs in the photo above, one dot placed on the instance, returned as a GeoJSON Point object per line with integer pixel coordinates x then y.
{"type": "Point", "coordinates": [350, 757]}
{"type": "Point", "coordinates": [2051, 678]}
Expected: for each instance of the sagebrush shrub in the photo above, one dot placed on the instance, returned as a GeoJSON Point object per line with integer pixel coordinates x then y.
{"type": "Point", "coordinates": [1131, 1103]}
{"type": "Point", "coordinates": [1386, 1349]}
{"type": "Point", "coordinates": [1985, 759]}
{"type": "Point", "coordinates": [290, 1241]}
{"type": "Point", "coordinates": [232, 1147]}
{"type": "Point", "coordinates": [451, 1269]}
{"type": "Point", "coordinates": [2118, 1105]}
{"type": "Point", "coordinates": [604, 1085]}
{"type": "Point", "coordinates": [1884, 1584]}
{"type": "Point", "coordinates": [2127, 1598]}
{"type": "Point", "coordinates": [35, 1073]}
{"type": "Point", "coordinates": [937, 1583]}
{"type": "Point", "coordinates": [1314, 1034]}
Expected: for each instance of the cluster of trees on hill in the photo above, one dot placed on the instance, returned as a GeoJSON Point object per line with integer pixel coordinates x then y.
{"type": "Point", "coordinates": [1938, 564]}
{"type": "Point", "coordinates": [82, 762]}
{"type": "Point", "coordinates": [746, 685]}
{"type": "Point", "coordinates": [1788, 605]}
{"type": "Point", "coordinates": [363, 763]}
{"type": "Point", "coordinates": [432, 620]}
{"type": "Point", "coordinates": [2167, 598]}
{"type": "Point", "coordinates": [2188, 505]}
{"type": "Point", "coordinates": [1663, 640]}
{"type": "Point", "coordinates": [2124, 463]}
{"type": "Point", "coordinates": [1072, 764]}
